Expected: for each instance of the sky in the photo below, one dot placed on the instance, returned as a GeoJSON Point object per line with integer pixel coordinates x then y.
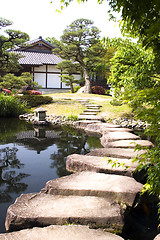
{"type": "Point", "coordinates": [40, 18]}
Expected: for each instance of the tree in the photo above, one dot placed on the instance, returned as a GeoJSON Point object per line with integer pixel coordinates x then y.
{"type": "Point", "coordinates": [68, 69]}
{"type": "Point", "coordinates": [134, 69]}
{"type": "Point", "coordinates": [80, 43]}
{"type": "Point", "coordinates": [9, 61]}
{"type": "Point", "coordinates": [138, 19]}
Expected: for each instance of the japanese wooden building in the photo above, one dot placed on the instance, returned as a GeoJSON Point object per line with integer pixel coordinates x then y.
{"type": "Point", "coordinates": [38, 59]}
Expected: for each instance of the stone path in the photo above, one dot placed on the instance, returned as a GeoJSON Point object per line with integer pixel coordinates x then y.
{"type": "Point", "coordinates": [69, 232]}
{"type": "Point", "coordinates": [91, 113]}
{"type": "Point", "coordinates": [90, 196]}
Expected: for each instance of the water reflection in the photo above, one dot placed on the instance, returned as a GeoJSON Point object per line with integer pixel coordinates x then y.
{"type": "Point", "coordinates": [9, 179]}
{"type": "Point", "coordinates": [30, 156]}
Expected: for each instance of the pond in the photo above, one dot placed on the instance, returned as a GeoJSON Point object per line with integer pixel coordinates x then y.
{"type": "Point", "coordinates": [30, 156]}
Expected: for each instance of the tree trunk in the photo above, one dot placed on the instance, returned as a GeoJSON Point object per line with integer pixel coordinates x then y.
{"type": "Point", "coordinates": [71, 86]}
{"type": "Point", "coordinates": [87, 80]}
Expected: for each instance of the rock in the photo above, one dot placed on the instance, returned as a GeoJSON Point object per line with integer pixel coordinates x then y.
{"type": "Point", "coordinates": [93, 106]}
{"type": "Point", "coordinates": [30, 210]}
{"type": "Point", "coordinates": [157, 237]}
{"type": "Point", "coordinates": [115, 188]}
{"type": "Point", "coordinates": [115, 152]}
{"type": "Point", "coordinates": [91, 117]}
{"type": "Point", "coordinates": [91, 110]}
{"type": "Point", "coordinates": [88, 113]}
{"type": "Point", "coordinates": [126, 143]}
{"type": "Point", "coordinates": [70, 232]}
{"type": "Point", "coordinates": [78, 163]}
{"type": "Point", "coordinates": [115, 136]}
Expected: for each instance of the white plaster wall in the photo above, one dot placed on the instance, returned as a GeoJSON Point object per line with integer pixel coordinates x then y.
{"type": "Point", "coordinates": [40, 68]}
{"type": "Point", "coordinates": [77, 76]}
{"type": "Point", "coordinates": [53, 81]}
{"type": "Point", "coordinates": [64, 85]}
{"type": "Point", "coordinates": [40, 78]}
{"type": "Point", "coordinates": [52, 68]}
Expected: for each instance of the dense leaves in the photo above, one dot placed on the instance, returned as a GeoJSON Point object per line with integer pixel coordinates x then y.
{"type": "Point", "coordinates": [8, 60]}
{"type": "Point", "coordinates": [81, 43]}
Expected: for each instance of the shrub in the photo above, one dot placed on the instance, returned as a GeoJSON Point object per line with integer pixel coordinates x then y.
{"type": "Point", "coordinates": [98, 90]}
{"type": "Point", "coordinates": [35, 100]}
{"type": "Point", "coordinates": [7, 91]}
{"type": "Point", "coordinates": [116, 102]}
{"type": "Point", "coordinates": [32, 92]}
{"type": "Point", "coordinates": [10, 106]}
{"type": "Point", "coordinates": [76, 88]}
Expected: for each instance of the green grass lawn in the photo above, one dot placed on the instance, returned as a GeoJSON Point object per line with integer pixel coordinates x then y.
{"type": "Point", "coordinates": [67, 104]}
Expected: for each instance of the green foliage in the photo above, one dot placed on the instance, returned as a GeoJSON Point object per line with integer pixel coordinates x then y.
{"type": "Point", "coordinates": [68, 68]}
{"type": "Point", "coordinates": [116, 102]}
{"type": "Point", "coordinates": [10, 81]}
{"type": "Point", "coordinates": [35, 100]}
{"type": "Point", "coordinates": [76, 88]}
{"type": "Point", "coordinates": [72, 117]}
{"type": "Point", "coordinates": [8, 60]}
{"type": "Point", "coordinates": [135, 69]}
{"type": "Point", "coordinates": [10, 106]}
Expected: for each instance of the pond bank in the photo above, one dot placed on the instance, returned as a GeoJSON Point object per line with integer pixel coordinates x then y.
{"type": "Point", "coordinates": [113, 200]}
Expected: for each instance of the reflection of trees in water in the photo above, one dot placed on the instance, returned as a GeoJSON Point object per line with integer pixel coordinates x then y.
{"type": "Point", "coordinates": [9, 179]}
{"type": "Point", "coordinates": [75, 144]}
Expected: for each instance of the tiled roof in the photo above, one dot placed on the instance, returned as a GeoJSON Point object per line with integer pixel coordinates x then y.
{"type": "Point", "coordinates": [36, 58]}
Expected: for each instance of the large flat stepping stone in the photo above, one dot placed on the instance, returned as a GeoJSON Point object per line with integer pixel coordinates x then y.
{"type": "Point", "coordinates": [55, 232]}
{"type": "Point", "coordinates": [30, 210]}
{"type": "Point", "coordinates": [157, 237]}
{"type": "Point", "coordinates": [91, 117]}
{"type": "Point", "coordinates": [101, 128]}
{"type": "Point", "coordinates": [84, 123]}
{"type": "Point", "coordinates": [127, 143]}
{"type": "Point", "coordinates": [115, 152]}
{"type": "Point", "coordinates": [113, 187]}
{"type": "Point", "coordinates": [115, 136]}
{"type": "Point", "coordinates": [78, 163]}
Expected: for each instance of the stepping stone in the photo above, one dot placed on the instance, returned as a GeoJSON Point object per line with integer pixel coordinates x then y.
{"type": "Point", "coordinates": [115, 152]}
{"type": "Point", "coordinates": [40, 209]}
{"type": "Point", "coordinates": [91, 110]}
{"type": "Point", "coordinates": [114, 188]}
{"type": "Point", "coordinates": [115, 136]}
{"type": "Point", "coordinates": [157, 237]}
{"type": "Point", "coordinates": [100, 128]}
{"type": "Point", "coordinates": [90, 117]}
{"type": "Point", "coordinates": [106, 130]}
{"type": "Point", "coordinates": [93, 106]}
{"type": "Point", "coordinates": [78, 163]}
{"type": "Point", "coordinates": [127, 143]}
{"type": "Point", "coordinates": [88, 113]}
{"type": "Point", "coordinates": [83, 123]}
{"type": "Point", "coordinates": [53, 232]}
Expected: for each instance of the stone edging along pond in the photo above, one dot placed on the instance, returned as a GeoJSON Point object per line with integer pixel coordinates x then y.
{"type": "Point", "coordinates": [95, 195]}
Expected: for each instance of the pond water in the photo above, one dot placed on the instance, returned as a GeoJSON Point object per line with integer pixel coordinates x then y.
{"type": "Point", "coordinates": [30, 156]}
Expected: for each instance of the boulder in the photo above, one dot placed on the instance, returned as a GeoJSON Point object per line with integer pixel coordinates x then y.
{"type": "Point", "coordinates": [126, 143]}
{"type": "Point", "coordinates": [31, 210]}
{"type": "Point", "coordinates": [53, 232]}
{"type": "Point", "coordinates": [115, 188]}
{"type": "Point", "coordinates": [115, 136]}
{"type": "Point", "coordinates": [115, 152]}
{"type": "Point", "coordinates": [157, 237]}
{"type": "Point", "coordinates": [78, 163]}
{"type": "Point", "coordinates": [90, 117]}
